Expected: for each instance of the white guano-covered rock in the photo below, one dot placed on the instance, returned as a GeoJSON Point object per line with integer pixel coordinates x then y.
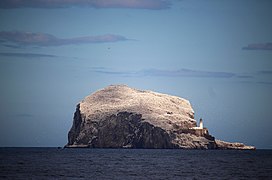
{"type": "Point", "coordinates": [122, 117]}
{"type": "Point", "coordinates": [158, 109]}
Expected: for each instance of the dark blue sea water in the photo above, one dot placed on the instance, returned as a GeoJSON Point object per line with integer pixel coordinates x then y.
{"type": "Point", "coordinates": [53, 163]}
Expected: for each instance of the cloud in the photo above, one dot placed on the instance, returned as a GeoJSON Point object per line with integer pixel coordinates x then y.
{"type": "Point", "coordinates": [264, 83]}
{"type": "Point", "coordinates": [265, 72]}
{"type": "Point", "coordinates": [248, 78]}
{"type": "Point", "coordinates": [12, 46]}
{"type": "Point", "coordinates": [243, 76]}
{"type": "Point", "coordinates": [186, 73]}
{"type": "Point", "coordinates": [43, 39]}
{"type": "Point", "coordinates": [132, 4]}
{"type": "Point", "coordinates": [259, 46]}
{"type": "Point", "coordinates": [27, 55]}
{"type": "Point", "coordinates": [166, 73]}
{"type": "Point", "coordinates": [24, 115]}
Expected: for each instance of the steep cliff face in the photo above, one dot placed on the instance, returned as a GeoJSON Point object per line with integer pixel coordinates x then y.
{"type": "Point", "coordinates": [124, 129]}
{"type": "Point", "coordinates": [122, 117]}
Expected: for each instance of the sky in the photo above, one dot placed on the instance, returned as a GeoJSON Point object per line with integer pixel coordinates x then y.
{"type": "Point", "coordinates": [216, 54]}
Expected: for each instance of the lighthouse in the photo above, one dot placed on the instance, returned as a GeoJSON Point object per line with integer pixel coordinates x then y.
{"type": "Point", "coordinates": [201, 126]}
{"type": "Point", "coordinates": [200, 123]}
{"type": "Point", "coordinates": [200, 130]}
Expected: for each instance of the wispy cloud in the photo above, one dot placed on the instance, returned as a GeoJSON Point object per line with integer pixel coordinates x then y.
{"type": "Point", "coordinates": [166, 73]}
{"type": "Point", "coordinates": [243, 76]}
{"type": "Point", "coordinates": [27, 55]}
{"type": "Point", "coordinates": [185, 73]}
{"type": "Point", "coordinates": [265, 72]}
{"type": "Point", "coordinates": [24, 115]}
{"type": "Point", "coordinates": [259, 46]}
{"type": "Point", "coordinates": [43, 39]}
{"type": "Point", "coordinates": [264, 83]}
{"type": "Point", "coordinates": [12, 46]}
{"type": "Point", "coordinates": [248, 78]}
{"type": "Point", "coordinates": [133, 4]}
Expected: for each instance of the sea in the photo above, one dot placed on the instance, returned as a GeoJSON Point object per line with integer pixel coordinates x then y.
{"type": "Point", "coordinates": [58, 163]}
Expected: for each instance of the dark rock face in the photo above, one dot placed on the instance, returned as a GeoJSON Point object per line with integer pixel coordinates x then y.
{"type": "Point", "coordinates": [122, 117]}
{"type": "Point", "coordinates": [127, 130]}
{"type": "Point", "coordinates": [124, 130]}
{"type": "Point", "coordinates": [75, 130]}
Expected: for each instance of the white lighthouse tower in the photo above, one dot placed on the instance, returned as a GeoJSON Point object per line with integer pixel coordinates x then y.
{"type": "Point", "coordinates": [200, 123]}
{"type": "Point", "coordinates": [201, 126]}
{"type": "Point", "coordinates": [200, 130]}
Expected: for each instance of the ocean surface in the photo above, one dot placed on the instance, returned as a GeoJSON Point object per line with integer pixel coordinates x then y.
{"type": "Point", "coordinates": [54, 163]}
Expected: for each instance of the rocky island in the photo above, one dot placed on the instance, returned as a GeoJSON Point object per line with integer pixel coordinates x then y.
{"type": "Point", "coordinates": [122, 117]}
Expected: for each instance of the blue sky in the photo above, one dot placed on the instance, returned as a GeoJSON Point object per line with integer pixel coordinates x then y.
{"type": "Point", "coordinates": [217, 54]}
